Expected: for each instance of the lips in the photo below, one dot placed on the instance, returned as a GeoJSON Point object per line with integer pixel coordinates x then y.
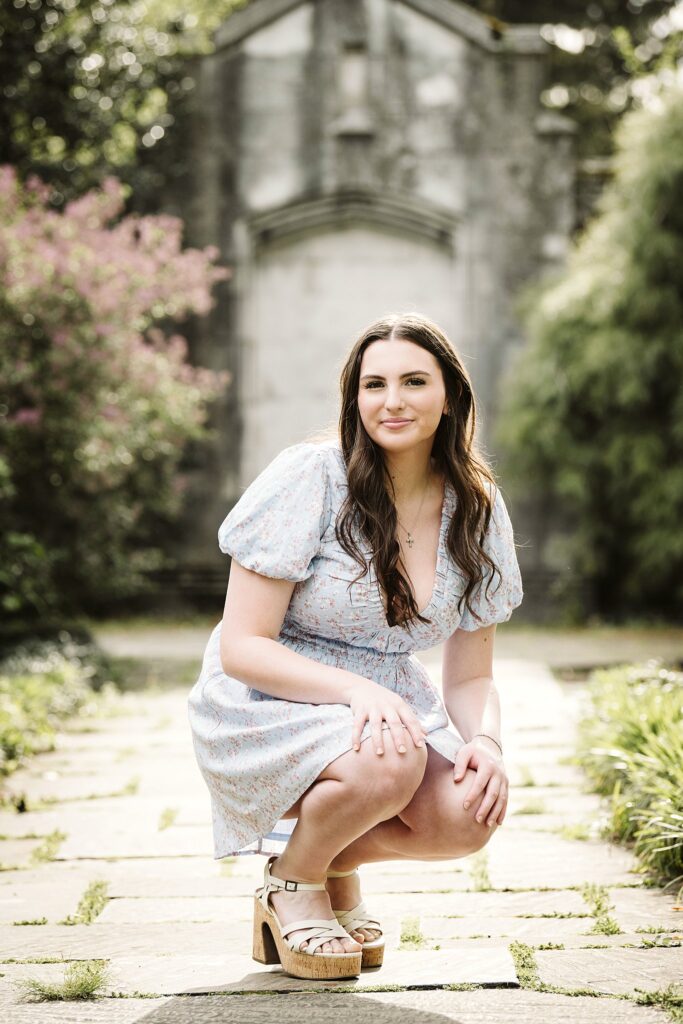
{"type": "Point", "coordinates": [396, 421]}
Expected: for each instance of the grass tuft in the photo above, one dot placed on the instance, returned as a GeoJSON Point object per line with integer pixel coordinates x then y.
{"type": "Point", "coordinates": [83, 979]}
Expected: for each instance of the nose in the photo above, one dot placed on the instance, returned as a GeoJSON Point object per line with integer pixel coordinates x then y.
{"type": "Point", "coordinates": [394, 399]}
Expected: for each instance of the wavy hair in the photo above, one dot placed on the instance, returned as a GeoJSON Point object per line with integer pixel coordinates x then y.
{"type": "Point", "coordinates": [368, 506]}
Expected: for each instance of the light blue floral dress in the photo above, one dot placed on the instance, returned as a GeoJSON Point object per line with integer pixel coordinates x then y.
{"type": "Point", "coordinates": [259, 753]}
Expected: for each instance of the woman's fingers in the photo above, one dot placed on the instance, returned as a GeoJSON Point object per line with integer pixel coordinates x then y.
{"type": "Point", "coordinates": [376, 729]}
{"type": "Point", "coordinates": [359, 721]}
{"type": "Point", "coordinates": [396, 716]}
{"type": "Point", "coordinates": [490, 798]}
{"type": "Point", "coordinates": [498, 807]}
{"type": "Point", "coordinates": [478, 786]}
{"type": "Point", "coordinates": [417, 733]}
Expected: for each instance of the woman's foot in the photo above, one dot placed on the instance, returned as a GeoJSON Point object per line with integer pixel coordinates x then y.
{"type": "Point", "coordinates": [295, 906]}
{"type": "Point", "coordinates": [344, 895]}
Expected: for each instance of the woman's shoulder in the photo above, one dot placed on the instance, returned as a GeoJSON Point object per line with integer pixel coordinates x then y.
{"type": "Point", "coordinates": [325, 452]}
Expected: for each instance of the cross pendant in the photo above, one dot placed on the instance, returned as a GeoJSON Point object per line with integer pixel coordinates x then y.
{"type": "Point", "coordinates": [409, 540]}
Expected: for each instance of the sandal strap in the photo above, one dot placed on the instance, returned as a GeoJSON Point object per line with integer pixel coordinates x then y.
{"type": "Point", "coordinates": [290, 885]}
{"type": "Point", "coordinates": [357, 917]}
{"type": "Point", "coordinates": [272, 883]}
{"type": "Point", "coordinates": [315, 932]}
{"type": "Point", "coordinates": [342, 874]}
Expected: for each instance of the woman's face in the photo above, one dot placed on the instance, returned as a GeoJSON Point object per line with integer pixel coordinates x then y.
{"type": "Point", "coordinates": [400, 380]}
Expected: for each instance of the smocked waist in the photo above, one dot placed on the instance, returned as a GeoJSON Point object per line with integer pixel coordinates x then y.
{"type": "Point", "coordinates": [335, 645]}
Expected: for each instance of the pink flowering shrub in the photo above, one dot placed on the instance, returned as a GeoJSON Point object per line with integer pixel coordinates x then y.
{"type": "Point", "coordinates": [97, 400]}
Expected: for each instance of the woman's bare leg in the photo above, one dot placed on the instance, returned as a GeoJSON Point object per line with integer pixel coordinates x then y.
{"type": "Point", "coordinates": [353, 793]}
{"type": "Point", "coordinates": [433, 825]}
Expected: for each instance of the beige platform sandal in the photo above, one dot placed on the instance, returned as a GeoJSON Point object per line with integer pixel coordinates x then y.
{"type": "Point", "coordinates": [352, 920]}
{"type": "Point", "coordinates": [271, 946]}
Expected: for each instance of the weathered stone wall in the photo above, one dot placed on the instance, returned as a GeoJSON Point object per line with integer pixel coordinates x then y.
{"type": "Point", "coordinates": [353, 158]}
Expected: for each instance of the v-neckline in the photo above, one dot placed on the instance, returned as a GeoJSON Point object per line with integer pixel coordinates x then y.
{"type": "Point", "coordinates": [439, 573]}
{"type": "Point", "coordinates": [440, 554]}
{"type": "Point", "coordinates": [439, 550]}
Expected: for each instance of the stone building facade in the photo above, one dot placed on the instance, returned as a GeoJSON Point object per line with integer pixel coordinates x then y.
{"type": "Point", "coordinates": [351, 158]}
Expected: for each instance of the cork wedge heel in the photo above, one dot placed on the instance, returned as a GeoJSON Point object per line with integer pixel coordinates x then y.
{"type": "Point", "coordinates": [358, 917]}
{"type": "Point", "coordinates": [271, 945]}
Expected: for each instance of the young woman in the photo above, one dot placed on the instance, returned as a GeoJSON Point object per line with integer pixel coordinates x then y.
{"type": "Point", "coordinates": [311, 712]}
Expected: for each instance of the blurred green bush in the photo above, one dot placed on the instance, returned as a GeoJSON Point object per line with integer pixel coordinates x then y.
{"type": "Point", "coordinates": [631, 747]}
{"type": "Point", "coordinates": [44, 683]}
{"type": "Point", "coordinates": [591, 419]}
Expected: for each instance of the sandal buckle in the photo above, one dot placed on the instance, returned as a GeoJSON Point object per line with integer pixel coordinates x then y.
{"type": "Point", "coordinates": [291, 886]}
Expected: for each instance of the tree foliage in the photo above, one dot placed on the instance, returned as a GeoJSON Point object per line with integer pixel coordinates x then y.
{"type": "Point", "coordinates": [606, 56]}
{"type": "Point", "coordinates": [96, 398]}
{"type": "Point", "coordinates": [594, 408]}
{"type": "Point", "coordinates": [96, 87]}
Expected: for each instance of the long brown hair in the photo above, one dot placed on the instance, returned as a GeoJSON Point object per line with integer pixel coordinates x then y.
{"type": "Point", "coordinates": [368, 506]}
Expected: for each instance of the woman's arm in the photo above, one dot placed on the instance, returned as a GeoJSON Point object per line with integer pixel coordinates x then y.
{"type": "Point", "coordinates": [469, 692]}
{"type": "Point", "coordinates": [255, 608]}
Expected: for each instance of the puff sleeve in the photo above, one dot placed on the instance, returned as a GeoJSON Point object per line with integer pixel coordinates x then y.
{"type": "Point", "coordinates": [277, 524]}
{"type": "Point", "coordinates": [505, 592]}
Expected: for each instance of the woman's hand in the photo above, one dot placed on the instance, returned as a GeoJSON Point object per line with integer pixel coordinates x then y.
{"type": "Point", "coordinates": [491, 780]}
{"type": "Point", "coordinates": [374, 703]}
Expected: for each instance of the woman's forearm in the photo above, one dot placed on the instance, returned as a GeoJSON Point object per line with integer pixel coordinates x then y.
{"type": "Point", "coordinates": [275, 669]}
{"type": "Point", "coordinates": [473, 706]}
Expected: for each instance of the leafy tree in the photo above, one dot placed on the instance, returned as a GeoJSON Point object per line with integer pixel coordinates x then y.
{"type": "Point", "coordinates": [96, 398]}
{"type": "Point", "coordinates": [607, 56]}
{"type": "Point", "coordinates": [96, 87]}
{"type": "Point", "coordinates": [593, 406]}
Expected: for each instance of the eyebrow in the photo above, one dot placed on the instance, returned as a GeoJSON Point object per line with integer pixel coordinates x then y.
{"type": "Point", "coordinates": [411, 373]}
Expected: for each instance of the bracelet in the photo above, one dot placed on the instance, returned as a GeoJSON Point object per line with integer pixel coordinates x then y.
{"type": "Point", "coordinates": [490, 738]}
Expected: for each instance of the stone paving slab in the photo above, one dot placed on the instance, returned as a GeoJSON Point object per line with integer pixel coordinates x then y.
{"type": "Point", "coordinates": [17, 851]}
{"type": "Point", "coordinates": [175, 975]}
{"type": "Point", "coordinates": [463, 906]}
{"type": "Point", "coordinates": [84, 816]}
{"type": "Point", "coordinates": [546, 859]}
{"type": "Point", "coordinates": [151, 761]}
{"type": "Point", "coordinates": [106, 1011]}
{"type": "Point", "coordinates": [611, 970]}
{"type": "Point", "coordinates": [103, 784]}
{"type": "Point", "coordinates": [233, 936]}
{"type": "Point", "coordinates": [137, 837]}
{"type": "Point", "coordinates": [638, 908]}
{"type": "Point", "coordinates": [190, 973]}
{"type": "Point", "coordinates": [494, 1005]}
{"type": "Point", "coordinates": [19, 902]}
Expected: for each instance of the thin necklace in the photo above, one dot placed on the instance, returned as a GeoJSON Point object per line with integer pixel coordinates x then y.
{"type": "Point", "coordinates": [410, 540]}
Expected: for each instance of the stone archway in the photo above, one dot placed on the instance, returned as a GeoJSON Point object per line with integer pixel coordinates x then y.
{"type": "Point", "coordinates": [313, 283]}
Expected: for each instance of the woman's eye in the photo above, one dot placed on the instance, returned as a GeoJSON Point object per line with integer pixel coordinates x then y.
{"type": "Point", "coordinates": [411, 380]}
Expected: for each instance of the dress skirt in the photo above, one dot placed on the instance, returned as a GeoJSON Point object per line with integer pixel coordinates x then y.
{"type": "Point", "coordinates": [258, 754]}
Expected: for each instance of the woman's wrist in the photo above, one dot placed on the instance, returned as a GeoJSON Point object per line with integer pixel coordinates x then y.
{"type": "Point", "coordinates": [490, 742]}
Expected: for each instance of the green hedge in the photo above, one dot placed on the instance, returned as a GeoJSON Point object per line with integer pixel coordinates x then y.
{"type": "Point", "coordinates": [42, 685]}
{"type": "Point", "coordinates": [631, 747]}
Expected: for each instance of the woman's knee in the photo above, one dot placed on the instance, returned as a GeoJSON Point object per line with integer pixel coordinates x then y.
{"type": "Point", "coordinates": [389, 779]}
{"type": "Point", "coordinates": [437, 814]}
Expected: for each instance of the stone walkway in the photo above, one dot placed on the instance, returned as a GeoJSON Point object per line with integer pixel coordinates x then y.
{"type": "Point", "coordinates": [510, 933]}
